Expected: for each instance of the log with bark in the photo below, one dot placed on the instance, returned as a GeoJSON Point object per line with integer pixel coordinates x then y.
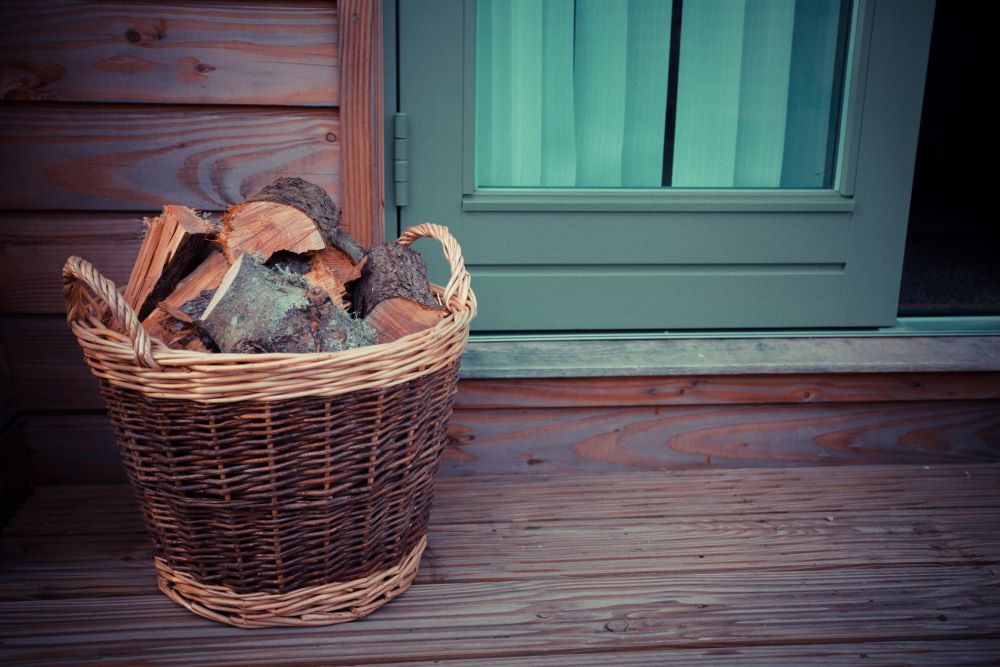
{"type": "Point", "coordinates": [169, 322]}
{"type": "Point", "coordinates": [258, 309]}
{"type": "Point", "coordinates": [290, 214]}
{"type": "Point", "coordinates": [393, 294]}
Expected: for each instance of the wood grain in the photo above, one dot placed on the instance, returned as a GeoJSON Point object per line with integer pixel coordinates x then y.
{"type": "Point", "coordinates": [980, 652]}
{"type": "Point", "coordinates": [178, 52]}
{"type": "Point", "coordinates": [71, 548]}
{"type": "Point", "coordinates": [523, 618]}
{"type": "Point", "coordinates": [724, 389]}
{"type": "Point", "coordinates": [895, 563]}
{"type": "Point", "coordinates": [361, 115]}
{"type": "Point", "coordinates": [568, 439]}
{"type": "Point", "coordinates": [81, 448]}
{"type": "Point", "coordinates": [115, 157]}
{"type": "Point", "coordinates": [717, 492]}
{"type": "Point", "coordinates": [34, 246]}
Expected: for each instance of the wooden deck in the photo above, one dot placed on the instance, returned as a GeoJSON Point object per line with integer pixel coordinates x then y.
{"type": "Point", "coordinates": [891, 564]}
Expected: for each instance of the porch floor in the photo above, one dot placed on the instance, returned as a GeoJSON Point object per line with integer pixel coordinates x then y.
{"type": "Point", "coordinates": [893, 564]}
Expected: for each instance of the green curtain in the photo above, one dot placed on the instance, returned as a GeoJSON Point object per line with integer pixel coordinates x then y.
{"type": "Point", "coordinates": [574, 93]}
{"type": "Point", "coordinates": [571, 94]}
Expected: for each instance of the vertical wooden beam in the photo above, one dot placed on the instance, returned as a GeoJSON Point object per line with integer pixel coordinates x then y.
{"type": "Point", "coordinates": [360, 36]}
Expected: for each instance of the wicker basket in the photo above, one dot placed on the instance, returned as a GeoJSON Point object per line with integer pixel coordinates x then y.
{"type": "Point", "coordinates": [279, 489]}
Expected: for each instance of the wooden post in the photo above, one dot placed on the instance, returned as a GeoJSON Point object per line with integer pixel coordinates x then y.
{"type": "Point", "coordinates": [360, 39]}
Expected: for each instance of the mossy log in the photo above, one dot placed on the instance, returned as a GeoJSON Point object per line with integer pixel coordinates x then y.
{"type": "Point", "coordinates": [257, 309]}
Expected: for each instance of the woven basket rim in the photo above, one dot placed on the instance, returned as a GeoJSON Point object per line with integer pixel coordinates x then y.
{"type": "Point", "coordinates": [221, 378]}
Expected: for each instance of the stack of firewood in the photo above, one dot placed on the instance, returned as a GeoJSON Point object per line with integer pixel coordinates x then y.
{"type": "Point", "coordinates": [277, 274]}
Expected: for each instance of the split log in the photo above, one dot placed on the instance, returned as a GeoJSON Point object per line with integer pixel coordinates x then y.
{"type": "Point", "coordinates": [256, 309]}
{"type": "Point", "coordinates": [290, 214]}
{"type": "Point", "coordinates": [175, 243]}
{"type": "Point", "coordinates": [333, 269]}
{"type": "Point", "coordinates": [171, 321]}
{"type": "Point", "coordinates": [393, 294]}
{"type": "Point", "coordinates": [334, 272]}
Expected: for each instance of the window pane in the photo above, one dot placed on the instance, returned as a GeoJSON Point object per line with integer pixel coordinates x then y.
{"type": "Point", "coordinates": [582, 93]}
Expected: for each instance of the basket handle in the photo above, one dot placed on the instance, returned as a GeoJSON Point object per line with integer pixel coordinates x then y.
{"type": "Point", "coordinates": [460, 282]}
{"type": "Point", "coordinates": [78, 272]}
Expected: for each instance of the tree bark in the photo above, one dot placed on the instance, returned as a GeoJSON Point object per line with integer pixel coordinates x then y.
{"type": "Point", "coordinates": [393, 294]}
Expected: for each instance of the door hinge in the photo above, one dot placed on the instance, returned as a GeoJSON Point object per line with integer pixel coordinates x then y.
{"type": "Point", "coordinates": [400, 158]}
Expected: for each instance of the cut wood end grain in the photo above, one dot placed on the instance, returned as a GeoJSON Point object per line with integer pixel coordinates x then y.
{"type": "Point", "coordinates": [265, 228]}
{"type": "Point", "coordinates": [397, 317]}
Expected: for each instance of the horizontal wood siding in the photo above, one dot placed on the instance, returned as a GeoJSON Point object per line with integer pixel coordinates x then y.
{"type": "Point", "coordinates": [586, 424]}
{"type": "Point", "coordinates": [117, 157]}
{"type": "Point", "coordinates": [34, 247]}
{"type": "Point", "coordinates": [111, 110]}
{"type": "Point", "coordinates": [175, 52]}
{"type": "Point", "coordinates": [80, 448]}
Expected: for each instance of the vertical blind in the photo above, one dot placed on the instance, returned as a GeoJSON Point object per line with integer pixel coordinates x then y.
{"type": "Point", "coordinates": [654, 93]}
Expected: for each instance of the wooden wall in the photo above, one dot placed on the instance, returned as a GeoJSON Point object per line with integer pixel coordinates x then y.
{"type": "Point", "coordinates": [540, 426]}
{"type": "Point", "coordinates": [111, 109]}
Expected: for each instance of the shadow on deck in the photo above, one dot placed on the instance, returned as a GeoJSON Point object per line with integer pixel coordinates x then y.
{"type": "Point", "coordinates": [891, 564]}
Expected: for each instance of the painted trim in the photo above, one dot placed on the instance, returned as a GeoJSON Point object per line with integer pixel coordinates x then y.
{"type": "Point", "coordinates": [905, 326]}
{"type": "Point", "coordinates": [737, 201]}
{"type": "Point", "coordinates": [390, 105]}
{"type": "Point", "coordinates": [857, 78]}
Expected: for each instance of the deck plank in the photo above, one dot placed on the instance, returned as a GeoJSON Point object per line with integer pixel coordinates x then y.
{"type": "Point", "coordinates": [522, 618]}
{"type": "Point", "coordinates": [983, 653]}
{"type": "Point", "coordinates": [899, 563]}
{"type": "Point", "coordinates": [47, 567]}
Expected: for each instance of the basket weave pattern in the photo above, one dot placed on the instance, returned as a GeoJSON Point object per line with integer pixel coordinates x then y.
{"type": "Point", "coordinates": [279, 489]}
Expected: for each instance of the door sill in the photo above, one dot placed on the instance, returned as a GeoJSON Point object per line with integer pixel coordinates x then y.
{"type": "Point", "coordinates": [914, 345]}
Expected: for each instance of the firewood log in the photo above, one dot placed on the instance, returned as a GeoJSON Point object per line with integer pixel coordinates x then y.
{"type": "Point", "coordinates": [393, 294]}
{"type": "Point", "coordinates": [163, 322]}
{"type": "Point", "coordinates": [257, 309]}
{"type": "Point", "coordinates": [175, 243]}
{"type": "Point", "coordinates": [289, 214]}
{"type": "Point", "coordinates": [333, 271]}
